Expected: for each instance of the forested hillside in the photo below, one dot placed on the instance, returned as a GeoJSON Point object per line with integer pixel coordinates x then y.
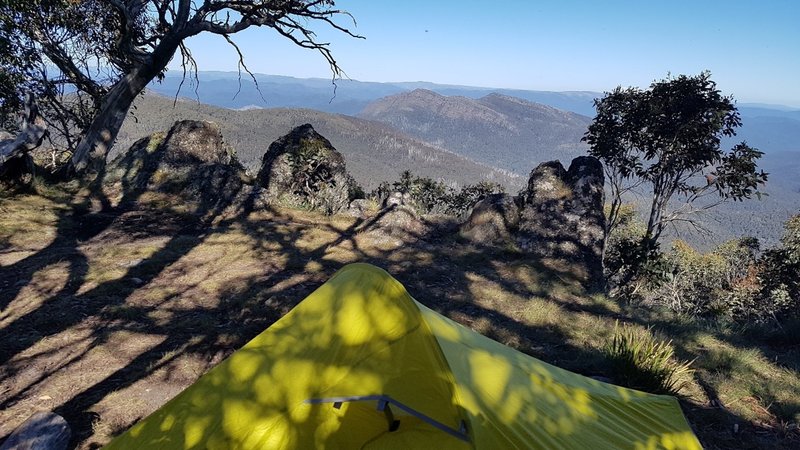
{"type": "Point", "coordinates": [374, 152]}
{"type": "Point", "coordinates": [452, 133]}
{"type": "Point", "coordinates": [508, 132]}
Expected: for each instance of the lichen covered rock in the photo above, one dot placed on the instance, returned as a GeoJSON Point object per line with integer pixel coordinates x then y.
{"type": "Point", "coordinates": [303, 168]}
{"type": "Point", "coordinates": [562, 216]}
{"type": "Point", "coordinates": [558, 218]}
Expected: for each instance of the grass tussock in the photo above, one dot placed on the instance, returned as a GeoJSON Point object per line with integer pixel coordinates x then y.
{"type": "Point", "coordinates": [641, 361]}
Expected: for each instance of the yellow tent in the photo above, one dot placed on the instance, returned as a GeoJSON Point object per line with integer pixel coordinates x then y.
{"type": "Point", "coordinates": [359, 364]}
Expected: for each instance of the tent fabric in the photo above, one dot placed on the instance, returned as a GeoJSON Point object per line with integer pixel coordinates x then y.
{"type": "Point", "coordinates": [361, 335]}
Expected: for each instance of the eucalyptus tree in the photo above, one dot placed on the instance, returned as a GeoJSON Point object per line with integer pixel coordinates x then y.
{"type": "Point", "coordinates": [103, 53]}
{"type": "Point", "coordinates": [667, 139]}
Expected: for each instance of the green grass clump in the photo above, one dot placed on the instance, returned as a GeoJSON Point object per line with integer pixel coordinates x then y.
{"type": "Point", "coordinates": [641, 361]}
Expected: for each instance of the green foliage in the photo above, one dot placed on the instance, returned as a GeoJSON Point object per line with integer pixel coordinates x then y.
{"type": "Point", "coordinates": [405, 184]}
{"type": "Point", "coordinates": [355, 190]}
{"type": "Point", "coordinates": [461, 203]}
{"type": "Point", "coordinates": [314, 184]}
{"type": "Point", "coordinates": [309, 167]}
{"type": "Point", "coordinates": [381, 193]}
{"type": "Point", "coordinates": [698, 283]}
{"type": "Point", "coordinates": [668, 137]}
{"type": "Point", "coordinates": [430, 196]}
{"type": "Point", "coordinates": [38, 36]}
{"type": "Point", "coordinates": [641, 361]}
{"type": "Point", "coordinates": [732, 282]}
{"type": "Point", "coordinates": [631, 268]}
{"type": "Point", "coordinates": [779, 274]}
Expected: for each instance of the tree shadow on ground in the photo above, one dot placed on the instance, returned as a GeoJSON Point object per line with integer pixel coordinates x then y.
{"type": "Point", "coordinates": [219, 276]}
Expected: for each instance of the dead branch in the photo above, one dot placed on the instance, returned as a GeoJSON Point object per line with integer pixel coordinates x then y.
{"type": "Point", "coordinates": [33, 133]}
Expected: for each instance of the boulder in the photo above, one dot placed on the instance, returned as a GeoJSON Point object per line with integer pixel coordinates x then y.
{"type": "Point", "coordinates": [42, 431]}
{"type": "Point", "coordinates": [558, 218]}
{"type": "Point", "coordinates": [493, 220]}
{"type": "Point", "coordinates": [303, 168]}
{"type": "Point", "coordinates": [398, 222]}
{"type": "Point", "coordinates": [190, 163]}
{"type": "Point", "coordinates": [193, 142]}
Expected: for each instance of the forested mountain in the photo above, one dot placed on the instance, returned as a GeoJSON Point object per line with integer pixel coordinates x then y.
{"type": "Point", "coordinates": [348, 97]}
{"type": "Point", "coordinates": [374, 152]}
{"type": "Point", "coordinates": [762, 218]}
{"type": "Point", "coordinates": [498, 130]}
{"type": "Point", "coordinates": [508, 132]}
{"type": "Point", "coordinates": [768, 127]}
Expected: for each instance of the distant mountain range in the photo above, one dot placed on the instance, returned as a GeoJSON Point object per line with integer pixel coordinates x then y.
{"type": "Point", "coordinates": [345, 97]}
{"type": "Point", "coordinates": [768, 127]}
{"type": "Point", "coordinates": [458, 134]}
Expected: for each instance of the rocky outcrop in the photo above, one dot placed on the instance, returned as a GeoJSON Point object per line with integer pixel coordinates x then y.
{"type": "Point", "coordinates": [562, 216]}
{"type": "Point", "coordinates": [302, 168]}
{"type": "Point", "coordinates": [361, 208]}
{"type": "Point", "coordinates": [558, 217]}
{"type": "Point", "coordinates": [191, 163]}
{"type": "Point", "coordinates": [192, 142]}
{"type": "Point", "coordinates": [398, 199]}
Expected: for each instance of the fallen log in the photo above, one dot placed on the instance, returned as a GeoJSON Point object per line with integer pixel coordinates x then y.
{"type": "Point", "coordinates": [42, 431]}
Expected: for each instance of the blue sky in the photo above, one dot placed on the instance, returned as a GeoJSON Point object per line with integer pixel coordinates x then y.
{"type": "Point", "coordinates": [751, 47]}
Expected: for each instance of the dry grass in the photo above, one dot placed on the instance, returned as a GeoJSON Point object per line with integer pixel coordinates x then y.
{"type": "Point", "coordinates": [104, 316]}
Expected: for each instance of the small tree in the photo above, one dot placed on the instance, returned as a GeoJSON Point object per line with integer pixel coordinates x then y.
{"type": "Point", "coordinates": [668, 139]}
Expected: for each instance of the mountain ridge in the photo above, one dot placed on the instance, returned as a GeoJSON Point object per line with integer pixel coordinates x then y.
{"type": "Point", "coordinates": [374, 152]}
{"type": "Point", "coordinates": [506, 132]}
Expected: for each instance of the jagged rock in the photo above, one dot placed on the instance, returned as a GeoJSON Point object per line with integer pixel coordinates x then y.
{"type": "Point", "coordinates": [562, 216]}
{"type": "Point", "coordinates": [191, 162]}
{"type": "Point", "coordinates": [493, 220]}
{"type": "Point", "coordinates": [303, 168]}
{"type": "Point", "coordinates": [558, 218]}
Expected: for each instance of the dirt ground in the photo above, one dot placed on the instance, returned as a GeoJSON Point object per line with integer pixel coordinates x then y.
{"type": "Point", "coordinates": [105, 314]}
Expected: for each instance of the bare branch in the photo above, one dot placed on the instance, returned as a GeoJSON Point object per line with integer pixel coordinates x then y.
{"type": "Point", "coordinates": [241, 65]}
{"type": "Point", "coordinates": [187, 61]}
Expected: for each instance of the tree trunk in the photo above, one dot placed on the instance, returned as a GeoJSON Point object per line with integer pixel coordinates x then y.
{"type": "Point", "coordinates": [93, 149]}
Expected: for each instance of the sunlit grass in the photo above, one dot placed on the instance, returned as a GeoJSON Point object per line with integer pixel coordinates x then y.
{"type": "Point", "coordinates": [207, 291]}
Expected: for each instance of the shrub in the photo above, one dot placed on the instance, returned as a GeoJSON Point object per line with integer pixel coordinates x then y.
{"type": "Point", "coordinates": [431, 196]}
{"type": "Point", "coordinates": [779, 275]}
{"type": "Point", "coordinates": [459, 204]}
{"type": "Point", "coordinates": [631, 268]}
{"type": "Point", "coordinates": [640, 361]}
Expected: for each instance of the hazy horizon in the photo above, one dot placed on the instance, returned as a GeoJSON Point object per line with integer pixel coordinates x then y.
{"type": "Point", "coordinates": [246, 79]}
{"type": "Point", "coordinates": [750, 49]}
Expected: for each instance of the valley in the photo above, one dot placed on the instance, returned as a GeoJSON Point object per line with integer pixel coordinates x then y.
{"type": "Point", "coordinates": [458, 134]}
